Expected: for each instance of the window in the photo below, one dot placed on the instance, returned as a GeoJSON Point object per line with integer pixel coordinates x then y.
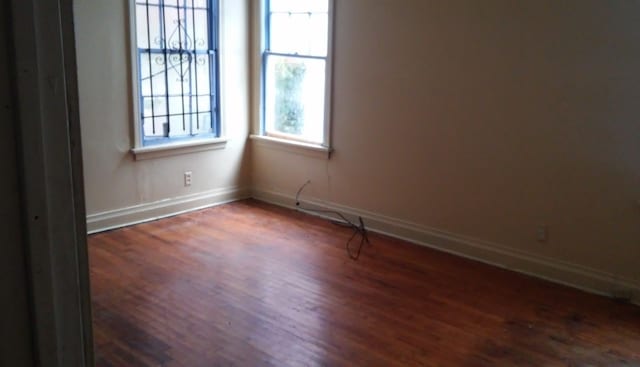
{"type": "Point", "coordinates": [177, 70]}
{"type": "Point", "coordinates": [295, 70]}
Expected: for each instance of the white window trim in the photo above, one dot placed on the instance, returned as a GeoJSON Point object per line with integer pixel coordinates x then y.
{"type": "Point", "coordinates": [323, 149]}
{"type": "Point", "coordinates": [183, 147]}
{"type": "Point", "coordinates": [141, 152]}
{"type": "Point", "coordinates": [292, 146]}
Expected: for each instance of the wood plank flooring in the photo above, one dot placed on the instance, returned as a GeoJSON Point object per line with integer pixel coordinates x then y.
{"type": "Point", "coordinates": [251, 284]}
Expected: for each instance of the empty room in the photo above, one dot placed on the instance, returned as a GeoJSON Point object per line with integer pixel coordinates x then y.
{"type": "Point", "coordinates": [341, 183]}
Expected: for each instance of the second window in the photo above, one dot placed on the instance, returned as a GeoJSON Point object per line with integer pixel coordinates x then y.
{"type": "Point", "coordinates": [295, 69]}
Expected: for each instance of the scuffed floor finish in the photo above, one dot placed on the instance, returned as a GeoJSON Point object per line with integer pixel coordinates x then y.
{"type": "Point", "coordinates": [251, 284]}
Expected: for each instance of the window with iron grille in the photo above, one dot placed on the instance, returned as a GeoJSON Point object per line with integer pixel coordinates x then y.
{"type": "Point", "coordinates": [177, 56]}
{"type": "Point", "coordinates": [295, 70]}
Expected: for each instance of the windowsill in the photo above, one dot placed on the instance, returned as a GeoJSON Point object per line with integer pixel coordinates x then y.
{"type": "Point", "coordinates": [291, 146]}
{"type": "Point", "coordinates": [166, 150]}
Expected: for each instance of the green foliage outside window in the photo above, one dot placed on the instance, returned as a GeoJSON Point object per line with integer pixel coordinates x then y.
{"type": "Point", "coordinates": [289, 110]}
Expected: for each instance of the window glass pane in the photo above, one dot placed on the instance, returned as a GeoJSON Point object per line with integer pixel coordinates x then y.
{"type": "Point", "coordinates": [152, 82]}
{"type": "Point", "coordinates": [141, 26]}
{"type": "Point", "coordinates": [294, 97]}
{"type": "Point", "coordinates": [176, 61]}
{"type": "Point", "coordinates": [176, 29]}
{"type": "Point", "coordinates": [155, 127]}
{"type": "Point", "coordinates": [178, 73]}
{"type": "Point", "coordinates": [301, 33]}
{"type": "Point", "coordinates": [199, 3]}
{"type": "Point", "coordinates": [148, 29]}
{"type": "Point", "coordinates": [203, 103]}
{"type": "Point", "coordinates": [317, 6]}
{"type": "Point", "coordinates": [156, 106]}
{"type": "Point", "coordinates": [175, 105]}
{"type": "Point", "coordinates": [199, 29]}
{"type": "Point", "coordinates": [179, 126]}
{"type": "Point", "coordinates": [187, 107]}
{"type": "Point", "coordinates": [202, 123]}
{"type": "Point", "coordinates": [200, 72]}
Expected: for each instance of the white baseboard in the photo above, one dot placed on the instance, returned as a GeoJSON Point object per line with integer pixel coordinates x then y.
{"type": "Point", "coordinates": [574, 275]}
{"type": "Point", "coordinates": [164, 208]}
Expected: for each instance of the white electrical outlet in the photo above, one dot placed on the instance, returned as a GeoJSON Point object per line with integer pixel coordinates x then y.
{"type": "Point", "coordinates": [187, 178]}
{"type": "Point", "coordinates": [542, 233]}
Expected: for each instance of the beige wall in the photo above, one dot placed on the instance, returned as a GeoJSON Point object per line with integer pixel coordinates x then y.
{"type": "Point", "coordinates": [485, 119]}
{"type": "Point", "coordinates": [478, 119]}
{"type": "Point", "coordinates": [113, 179]}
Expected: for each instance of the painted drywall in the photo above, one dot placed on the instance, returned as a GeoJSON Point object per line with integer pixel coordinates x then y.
{"type": "Point", "coordinates": [113, 179]}
{"type": "Point", "coordinates": [485, 119]}
{"type": "Point", "coordinates": [15, 350]}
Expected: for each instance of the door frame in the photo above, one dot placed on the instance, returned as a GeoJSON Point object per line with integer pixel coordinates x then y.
{"type": "Point", "coordinates": [52, 193]}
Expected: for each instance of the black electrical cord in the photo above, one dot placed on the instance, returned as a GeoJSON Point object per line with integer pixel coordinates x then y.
{"type": "Point", "coordinates": [357, 228]}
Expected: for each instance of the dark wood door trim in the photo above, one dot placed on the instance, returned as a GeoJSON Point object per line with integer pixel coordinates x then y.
{"type": "Point", "coordinates": [51, 179]}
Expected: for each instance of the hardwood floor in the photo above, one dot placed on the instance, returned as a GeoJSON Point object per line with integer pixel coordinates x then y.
{"type": "Point", "coordinates": [249, 284]}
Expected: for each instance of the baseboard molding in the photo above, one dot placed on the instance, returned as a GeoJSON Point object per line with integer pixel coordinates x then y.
{"type": "Point", "coordinates": [161, 209]}
{"type": "Point", "coordinates": [574, 275]}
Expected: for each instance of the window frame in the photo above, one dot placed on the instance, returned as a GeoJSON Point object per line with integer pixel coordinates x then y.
{"type": "Point", "coordinates": [168, 146]}
{"type": "Point", "coordinates": [289, 139]}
